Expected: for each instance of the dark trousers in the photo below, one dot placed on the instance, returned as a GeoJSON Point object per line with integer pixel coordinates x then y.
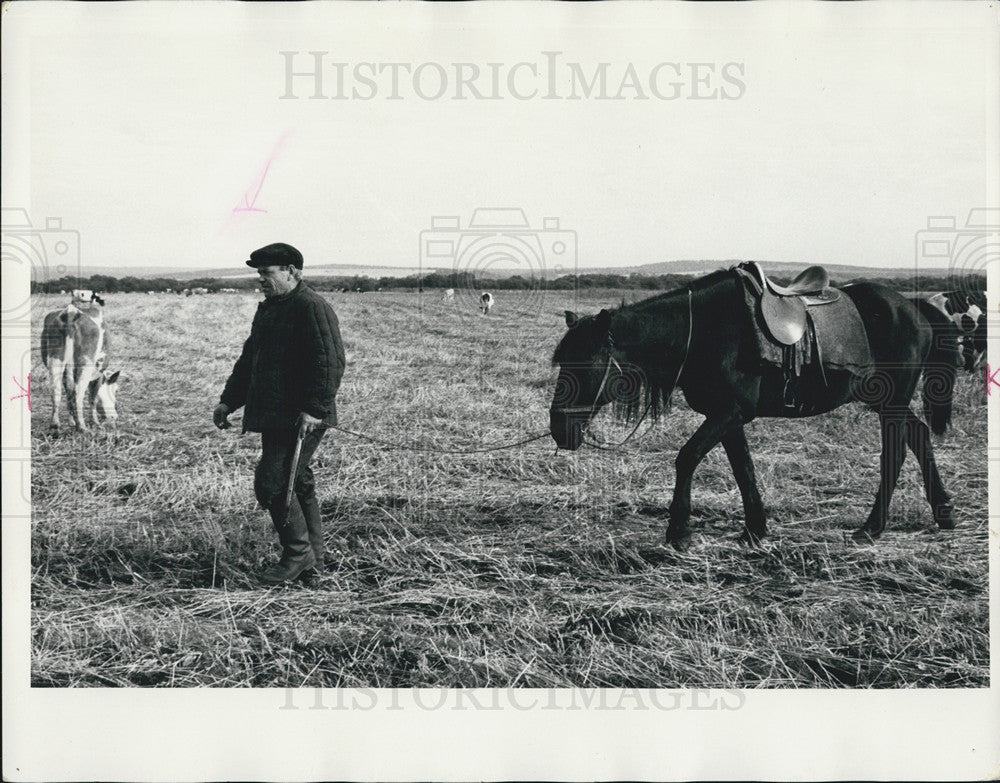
{"type": "Point", "coordinates": [271, 477]}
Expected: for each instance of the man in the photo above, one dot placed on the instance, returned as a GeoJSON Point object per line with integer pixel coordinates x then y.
{"type": "Point", "coordinates": [287, 377]}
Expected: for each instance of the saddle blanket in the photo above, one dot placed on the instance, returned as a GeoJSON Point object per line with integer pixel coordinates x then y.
{"type": "Point", "coordinates": [835, 334]}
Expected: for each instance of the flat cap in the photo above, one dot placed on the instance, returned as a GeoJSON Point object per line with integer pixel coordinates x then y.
{"type": "Point", "coordinates": [278, 254]}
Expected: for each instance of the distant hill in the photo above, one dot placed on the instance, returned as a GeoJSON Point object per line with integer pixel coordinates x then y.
{"type": "Point", "coordinates": [776, 268]}
{"type": "Point", "coordinates": [235, 272]}
{"type": "Point", "coordinates": [690, 267]}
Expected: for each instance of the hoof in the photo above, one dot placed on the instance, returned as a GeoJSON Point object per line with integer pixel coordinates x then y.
{"type": "Point", "coordinates": [864, 536]}
{"type": "Point", "coordinates": [681, 543]}
{"type": "Point", "coordinates": [749, 538]}
{"type": "Point", "coordinates": [945, 517]}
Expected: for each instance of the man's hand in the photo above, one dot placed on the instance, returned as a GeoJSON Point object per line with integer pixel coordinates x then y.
{"type": "Point", "coordinates": [221, 416]}
{"type": "Point", "coordinates": [307, 423]}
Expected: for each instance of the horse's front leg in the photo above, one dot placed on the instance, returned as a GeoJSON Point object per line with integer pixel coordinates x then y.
{"type": "Point", "coordinates": [705, 438]}
{"type": "Point", "coordinates": [738, 451]}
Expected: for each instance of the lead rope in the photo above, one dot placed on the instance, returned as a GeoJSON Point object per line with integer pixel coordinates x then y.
{"type": "Point", "coordinates": [431, 449]}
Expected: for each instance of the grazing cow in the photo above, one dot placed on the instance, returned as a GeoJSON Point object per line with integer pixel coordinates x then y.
{"type": "Point", "coordinates": [449, 295]}
{"type": "Point", "coordinates": [967, 312]}
{"type": "Point", "coordinates": [486, 302]}
{"type": "Point", "coordinates": [75, 351]}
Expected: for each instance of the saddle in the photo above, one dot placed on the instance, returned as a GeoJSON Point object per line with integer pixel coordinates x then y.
{"type": "Point", "coordinates": [795, 326]}
{"type": "Point", "coordinates": [784, 308]}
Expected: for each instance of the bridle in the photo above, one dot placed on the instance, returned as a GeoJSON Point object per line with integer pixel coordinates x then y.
{"type": "Point", "coordinates": [591, 410]}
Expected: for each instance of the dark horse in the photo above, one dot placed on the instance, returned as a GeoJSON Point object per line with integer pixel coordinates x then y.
{"type": "Point", "coordinates": [700, 339]}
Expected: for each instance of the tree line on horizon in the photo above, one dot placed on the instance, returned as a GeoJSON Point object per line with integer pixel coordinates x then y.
{"type": "Point", "coordinates": [467, 280]}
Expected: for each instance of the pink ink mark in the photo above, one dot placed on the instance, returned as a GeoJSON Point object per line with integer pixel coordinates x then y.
{"type": "Point", "coordinates": [26, 392]}
{"type": "Point", "coordinates": [249, 203]}
{"type": "Point", "coordinates": [991, 378]}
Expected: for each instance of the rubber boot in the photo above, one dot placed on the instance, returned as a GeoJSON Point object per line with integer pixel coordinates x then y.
{"type": "Point", "coordinates": [314, 523]}
{"type": "Point", "coordinates": [297, 554]}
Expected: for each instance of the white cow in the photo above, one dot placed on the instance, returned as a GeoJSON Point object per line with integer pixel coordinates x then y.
{"type": "Point", "coordinates": [486, 302]}
{"type": "Point", "coordinates": [75, 351]}
{"type": "Point", "coordinates": [449, 295]}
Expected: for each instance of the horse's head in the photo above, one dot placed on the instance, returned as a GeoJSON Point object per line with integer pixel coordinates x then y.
{"type": "Point", "coordinates": [587, 373]}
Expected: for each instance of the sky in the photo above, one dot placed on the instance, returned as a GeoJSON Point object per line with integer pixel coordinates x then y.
{"type": "Point", "coordinates": [804, 133]}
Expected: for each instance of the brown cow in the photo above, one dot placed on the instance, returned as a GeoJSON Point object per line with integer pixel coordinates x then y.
{"type": "Point", "coordinates": [75, 351]}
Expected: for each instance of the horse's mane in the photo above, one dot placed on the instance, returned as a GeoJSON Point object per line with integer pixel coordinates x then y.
{"type": "Point", "coordinates": [650, 376]}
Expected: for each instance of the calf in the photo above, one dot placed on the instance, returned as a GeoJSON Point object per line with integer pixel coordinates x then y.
{"type": "Point", "coordinates": [486, 302]}
{"type": "Point", "coordinates": [75, 351]}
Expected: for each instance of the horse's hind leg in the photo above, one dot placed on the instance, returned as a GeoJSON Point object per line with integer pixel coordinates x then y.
{"type": "Point", "coordinates": [705, 438]}
{"type": "Point", "coordinates": [893, 426]}
{"type": "Point", "coordinates": [738, 451]}
{"type": "Point", "coordinates": [918, 438]}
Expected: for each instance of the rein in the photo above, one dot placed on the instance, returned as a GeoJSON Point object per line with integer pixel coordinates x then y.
{"type": "Point", "coordinates": [593, 443]}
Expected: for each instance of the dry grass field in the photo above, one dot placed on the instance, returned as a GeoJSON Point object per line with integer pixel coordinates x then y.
{"type": "Point", "coordinates": [517, 567]}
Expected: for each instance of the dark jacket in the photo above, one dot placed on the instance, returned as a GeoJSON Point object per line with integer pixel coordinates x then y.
{"type": "Point", "coordinates": [292, 362]}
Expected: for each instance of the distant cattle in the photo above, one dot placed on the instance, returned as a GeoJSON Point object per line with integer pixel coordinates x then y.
{"type": "Point", "coordinates": [486, 302]}
{"type": "Point", "coordinates": [199, 291]}
{"type": "Point", "coordinates": [75, 351]}
{"type": "Point", "coordinates": [84, 296]}
{"type": "Point", "coordinates": [449, 295]}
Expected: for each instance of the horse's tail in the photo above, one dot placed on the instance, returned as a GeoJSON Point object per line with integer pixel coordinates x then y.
{"type": "Point", "coordinates": [940, 367]}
